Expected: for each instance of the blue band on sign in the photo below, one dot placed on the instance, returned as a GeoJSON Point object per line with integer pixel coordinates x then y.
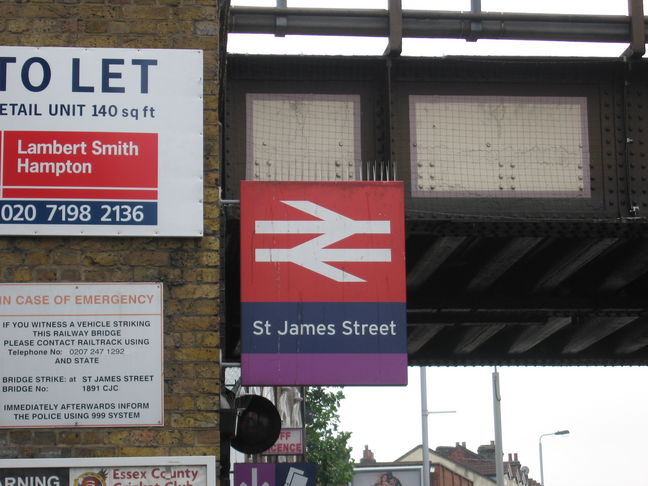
{"type": "Point", "coordinates": [323, 327]}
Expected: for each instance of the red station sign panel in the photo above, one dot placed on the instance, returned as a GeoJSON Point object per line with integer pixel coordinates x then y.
{"type": "Point", "coordinates": [323, 283]}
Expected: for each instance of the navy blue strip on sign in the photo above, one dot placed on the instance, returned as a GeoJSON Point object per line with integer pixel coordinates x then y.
{"type": "Point", "coordinates": [126, 213]}
{"type": "Point", "coordinates": [324, 327]}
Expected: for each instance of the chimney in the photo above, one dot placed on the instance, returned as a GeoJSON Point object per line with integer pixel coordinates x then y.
{"type": "Point", "coordinates": [514, 464]}
{"type": "Point", "coordinates": [367, 456]}
{"type": "Point", "coordinates": [487, 451]}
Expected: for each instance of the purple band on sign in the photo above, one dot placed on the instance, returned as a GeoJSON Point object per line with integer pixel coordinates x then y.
{"type": "Point", "coordinates": [326, 369]}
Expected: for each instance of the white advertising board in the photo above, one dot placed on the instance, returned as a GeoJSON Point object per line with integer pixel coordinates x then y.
{"type": "Point", "coordinates": [81, 354]}
{"type": "Point", "coordinates": [387, 476]}
{"type": "Point", "coordinates": [101, 141]}
{"type": "Point", "coordinates": [110, 471]}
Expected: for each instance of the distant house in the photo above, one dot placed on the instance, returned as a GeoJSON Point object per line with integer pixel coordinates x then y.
{"type": "Point", "coordinates": [449, 466]}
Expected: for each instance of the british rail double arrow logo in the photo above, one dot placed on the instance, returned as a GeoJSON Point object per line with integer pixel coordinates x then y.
{"type": "Point", "coordinates": [314, 254]}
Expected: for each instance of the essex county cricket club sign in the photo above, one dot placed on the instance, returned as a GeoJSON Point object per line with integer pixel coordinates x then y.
{"type": "Point", "coordinates": [110, 471]}
{"type": "Point", "coordinates": [100, 141]}
{"type": "Point", "coordinates": [323, 283]}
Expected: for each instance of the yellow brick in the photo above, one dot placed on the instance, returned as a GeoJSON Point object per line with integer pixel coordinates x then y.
{"type": "Point", "coordinates": [142, 451]}
{"type": "Point", "coordinates": [22, 275]}
{"type": "Point", "coordinates": [207, 403]}
{"type": "Point", "coordinates": [143, 27]}
{"type": "Point", "coordinates": [190, 323]}
{"type": "Point", "coordinates": [207, 437]}
{"type": "Point", "coordinates": [98, 26]}
{"type": "Point", "coordinates": [10, 258]}
{"type": "Point", "coordinates": [40, 257]}
{"type": "Point", "coordinates": [69, 438]}
{"type": "Point", "coordinates": [197, 451]}
{"type": "Point", "coordinates": [118, 437]}
{"type": "Point", "coordinates": [54, 40]}
{"type": "Point", "coordinates": [65, 257]}
{"type": "Point", "coordinates": [144, 437]}
{"type": "Point", "coordinates": [170, 437]}
{"type": "Point", "coordinates": [196, 291]}
{"type": "Point", "coordinates": [209, 258]}
{"type": "Point", "coordinates": [118, 27]}
{"type": "Point", "coordinates": [197, 13]}
{"type": "Point", "coordinates": [167, 27]}
{"type": "Point", "coordinates": [201, 275]}
{"type": "Point", "coordinates": [147, 12]}
{"type": "Point", "coordinates": [9, 39]}
{"type": "Point", "coordinates": [94, 451]}
{"type": "Point", "coordinates": [70, 274]}
{"type": "Point", "coordinates": [101, 258]}
{"type": "Point", "coordinates": [207, 339]}
{"type": "Point", "coordinates": [20, 436]}
{"type": "Point", "coordinates": [147, 258]}
{"type": "Point", "coordinates": [46, 25]}
{"type": "Point", "coordinates": [181, 403]}
{"type": "Point", "coordinates": [17, 26]}
{"type": "Point", "coordinates": [102, 12]}
{"type": "Point", "coordinates": [45, 275]}
{"type": "Point", "coordinates": [208, 307]}
{"type": "Point", "coordinates": [93, 436]}
{"type": "Point", "coordinates": [190, 420]}
{"type": "Point", "coordinates": [211, 370]}
{"type": "Point", "coordinates": [47, 11]}
{"type": "Point", "coordinates": [196, 354]}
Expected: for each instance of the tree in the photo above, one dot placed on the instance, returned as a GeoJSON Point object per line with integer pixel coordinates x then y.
{"type": "Point", "coordinates": [326, 445]}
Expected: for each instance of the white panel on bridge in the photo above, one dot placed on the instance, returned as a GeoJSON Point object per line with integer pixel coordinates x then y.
{"type": "Point", "coordinates": [494, 146]}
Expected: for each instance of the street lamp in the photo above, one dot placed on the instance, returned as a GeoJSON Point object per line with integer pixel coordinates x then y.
{"type": "Point", "coordinates": [559, 432]}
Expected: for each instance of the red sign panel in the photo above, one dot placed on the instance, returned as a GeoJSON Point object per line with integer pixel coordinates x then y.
{"type": "Point", "coordinates": [83, 165]}
{"type": "Point", "coordinates": [322, 261]}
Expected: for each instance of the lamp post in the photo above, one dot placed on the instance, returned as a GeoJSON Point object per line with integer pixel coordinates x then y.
{"type": "Point", "coordinates": [425, 452]}
{"type": "Point", "coordinates": [559, 432]}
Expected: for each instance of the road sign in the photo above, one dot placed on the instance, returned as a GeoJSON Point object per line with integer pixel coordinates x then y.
{"type": "Point", "coordinates": [268, 474]}
{"type": "Point", "coordinates": [323, 283]}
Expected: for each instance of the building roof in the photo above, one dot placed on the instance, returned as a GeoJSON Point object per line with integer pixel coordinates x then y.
{"type": "Point", "coordinates": [481, 462]}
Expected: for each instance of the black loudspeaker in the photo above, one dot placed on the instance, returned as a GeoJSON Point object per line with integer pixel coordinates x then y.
{"type": "Point", "coordinates": [258, 424]}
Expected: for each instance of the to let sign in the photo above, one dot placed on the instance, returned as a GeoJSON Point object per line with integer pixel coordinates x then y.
{"type": "Point", "coordinates": [323, 283]}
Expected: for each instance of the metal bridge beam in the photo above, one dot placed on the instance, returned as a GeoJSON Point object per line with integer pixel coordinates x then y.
{"type": "Point", "coordinates": [440, 24]}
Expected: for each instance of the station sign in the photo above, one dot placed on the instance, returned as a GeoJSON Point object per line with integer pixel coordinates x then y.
{"type": "Point", "coordinates": [81, 355]}
{"type": "Point", "coordinates": [101, 141]}
{"type": "Point", "coordinates": [323, 283]}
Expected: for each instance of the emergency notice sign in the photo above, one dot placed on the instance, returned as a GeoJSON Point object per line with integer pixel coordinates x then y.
{"type": "Point", "coordinates": [323, 283]}
{"type": "Point", "coordinates": [100, 141]}
{"type": "Point", "coordinates": [81, 354]}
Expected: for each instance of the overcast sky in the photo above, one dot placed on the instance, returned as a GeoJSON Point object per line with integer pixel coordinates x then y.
{"type": "Point", "coordinates": [605, 409]}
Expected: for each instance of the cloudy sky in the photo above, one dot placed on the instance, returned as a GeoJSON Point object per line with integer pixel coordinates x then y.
{"type": "Point", "coordinates": [605, 409]}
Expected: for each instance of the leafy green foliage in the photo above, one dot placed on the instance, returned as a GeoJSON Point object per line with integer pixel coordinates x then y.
{"type": "Point", "coordinates": [326, 445]}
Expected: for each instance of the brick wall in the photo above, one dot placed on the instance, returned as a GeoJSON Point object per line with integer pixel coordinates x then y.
{"type": "Point", "coordinates": [188, 267]}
